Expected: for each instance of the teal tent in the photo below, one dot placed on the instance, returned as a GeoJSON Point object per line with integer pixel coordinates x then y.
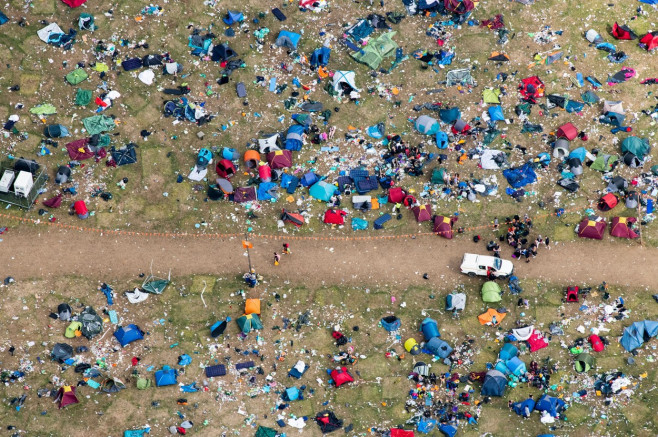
{"type": "Point", "coordinates": [322, 191]}
{"type": "Point", "coordinates": [427, 125]}
{"type": "Point", "coordinates": [637, 146]}
{"type": "Point", "coordinates": [155, 285]}
{"type": "Point", "coordinates": [248, 322]}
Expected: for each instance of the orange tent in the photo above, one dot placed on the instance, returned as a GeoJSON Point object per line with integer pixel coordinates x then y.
{"type": "Point", "coordinates": [491, 317]}
{"type": "Point", "coordinates": [251, 158]}
{"type": "Point", "coordinates": [252, 306]}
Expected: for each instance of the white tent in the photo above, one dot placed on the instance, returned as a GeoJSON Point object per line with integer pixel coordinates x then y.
{"type": "Point", "coordinates": [50, 29]}
{"type": "Point", "coordinates": [522, 334]}
{"type": "Point", "coordinates": [347, 77]}
{"type": "Point", "coordinates": [267, 145]}
{"type": "Point", "coordinates": [493, 159]}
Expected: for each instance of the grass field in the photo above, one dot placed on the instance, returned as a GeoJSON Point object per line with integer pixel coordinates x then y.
{"type": "Point", "coordinates": [142, 205]}
{"type": "Point", "coordinates": [177, 322]}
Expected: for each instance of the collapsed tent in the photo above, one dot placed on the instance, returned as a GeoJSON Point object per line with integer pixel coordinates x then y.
{"type": "Point", "coordinates": [427, 125]}
{"type": "Point", "coordinates": [650, 40]}
{"type": "Point", "coordinates": [638, 333]}
{"type": "Point", "coordinates": [288, 39]}
{"type": "Point", "coordinates": [551, 405]}
{"type": "Point", "coordinates": [334, 217]}
{"type": "Point", "coordinates": [455, 302]}
{"type": "Point", "coordinates": [532, 88]}
{"type": "Point", "coordinates": [377, 49]}
{"type": "Point", "coordinates": [328, 422]}
{"type": "Point", "coordinates": [520, 176]}
{"type": "Point", "coordinates": [524, 408]}
{"type": "Point", "coordinates": [634, 150]}
{"type": "Point", "coordinates": [341, 376]}
{"type": "Point", "coordinates": [623, 32]}
{"type": "Point", "coordinates": [291, 217]}
{"type": "Point", "coordinates": [91, 323]}
{"type": "Point", "coordinates": [621, 227]}
{"type": "Point", "coordinates": [591, 229]}
{"type": "Point", "coordinates": [491, 317]}
{"type": "Point", "coordinates": [460, 77]}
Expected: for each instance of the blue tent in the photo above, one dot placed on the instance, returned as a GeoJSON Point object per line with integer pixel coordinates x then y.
{"type": "Point", "coordinates": [520, 176]}
{"type": "Point", "coordinates": [438, 347]}
{"type": "Point", "coordinates": [494, 384]}
{"type": "Point", "coordinates": [508, 351]}
{"type": "Point", "coordinates": [166, 376]}
{"type": "Point", "coordinates": [267, 191]}
{"type": "Point", "coordinates": [289, 182]}
{"type": "Point", "coordinates": [450, 115]}
{"type": "Point", "coordinates": [426, 425]}
{"type": "Point", "coordinates": [612, 118]}
{"type": "Point", "coordinates": [294, 137]}
{"type": "Point", "coordinates": [448, 430]}
{"type": "Point", "coordinates": [516, 366]}
{"type": "Point", "coordinates": [128, 334]}
{"type": "Point", "coordinates": [430, 329]}
{"type": "Point", "coordinates": [580, 154]}
{"type": "Point", "coordinates": [233, 17]}
{"type": "Point", "coordinates": [574, 106]}
{"type": "Point", "coordinates": [56, 131]}
{"type": "Point", "coordinates": [442, 140]}
{"type": "Point", "coordinates": [550, 404]}
{"type": "Point", "coordinates": [288, 39]}
{"type": "Point", "coordinates": [3, 18]}
{"type": "Point", "coordinates": [496, 113]}
{"type": "Point", "coordinates": [320, 57]}
{"type": "Point", "coordinates": [292, 394]}
{"type": "Point", "coordinates": [136, 432]}
{"type": "Point", "coordinates": [309, 179]}
{"type": "Point", "coordinates": [636, 334]}
{"type": "Point", "coordinates": [322, 191]}
{"type": "Point", "coordinates": [524, 408]}
{"type": "Point", "coordinates": [427, 125]}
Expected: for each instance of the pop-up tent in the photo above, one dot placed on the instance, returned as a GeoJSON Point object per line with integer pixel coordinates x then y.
{"type": "Point", "coordinates": [443, 226]}
{"type": "Point", "coordinates": [635, 335]}
{"type": "Point", "coordinates": [491, 292]}
{"type": "Point", "coordinates": [279, 159]}
{"type": "Point", "coordinates": [322, 191]}
{"type": "Point", "coordinates": [494, 384]}
{"type": "Point", "coordinates": [341, 376]}
{"type": "Point", "coordinates": [429, 328]}
{"type": "Point", "coordinates": [427, 125]}
{"type": "Point", "coordinates": [166, 376]}
{"type": "Point", "coordinates": [650, 40]}
{"type": "Point", "coordinates": [508, 351]}
{"type": "Point", "coordinates": [634, 150]}
{"type": "Point", "coordinates": [288, 39]}
{"type": "Point", "coordinates": [607, 202]}
{"type": "Point", "coordinates": [583, 362]}
{"type": "Point", "coordinates": [515, 366]}
{"type": "Point", "coordinates": [591, 229]}
{"type": "Point", "coordinates": [438, 347]}
{"type": "Point", "coordinates": [532, 88]}
{"type": "Point", "coordinates": [74, 3]}
{"type": "Point", "coordinates": [344, 81]}
{"type": "Point", "coordinates": [422, 212]}
{"type": "Point", "coordinates": [128, 334]}
{"type": "Point", "coordinates": [568, 131]}
{"type": "Point", "coordinates": [620, 227]}
{"type": "Point", "coordinates": [247, 322]}
{"type": "Point", "coordinates": [66, 396]}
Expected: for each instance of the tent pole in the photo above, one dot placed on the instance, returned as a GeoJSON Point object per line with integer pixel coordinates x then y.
{"type": "Point", "coordinates": [246, 238]}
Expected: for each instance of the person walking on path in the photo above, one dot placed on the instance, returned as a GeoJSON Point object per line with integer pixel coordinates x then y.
{"type": "Point", "coordinates": [286, 249]}
{"type": "Point", "coordinates": [277, 258]}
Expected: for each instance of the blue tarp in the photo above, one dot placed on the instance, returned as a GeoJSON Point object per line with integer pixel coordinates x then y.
{"type": "Point", "coordinates": [549, 404]}
{"type": "Point", "coordinates": [521, 176]}
{"type": "Point", "coordinates": [448, 430]}
{"type": "Point", "coordinates": [128, 334]}
{"type": "Point", "coordinates": [496, 113]}
{"type": "Point", "coordinates": [639, 332]}
{"type": "Point", "coordinates": [359, 224]}
{"type": "Point", "coordinates": [267, 190]}
{"type": "Point", "coordinates": [426, 425]}
{"type": "Point", "coordinates": [166, 376]}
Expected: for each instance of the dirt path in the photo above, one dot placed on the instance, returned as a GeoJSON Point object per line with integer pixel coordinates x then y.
{"type": "Point", "coordinates": [40, 253]}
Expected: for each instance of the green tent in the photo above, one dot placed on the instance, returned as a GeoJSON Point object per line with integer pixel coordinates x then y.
{"type": "Point", "coordinates": [264, 431]}
{"type": "Point", "coordinates": [248, 322]}
{"type": "Point", "coordinates": [155, 285]}
{"type": "Point", "coordinates": [70, 330]}
{"type": "Point", "coordinates": [584, 362]}
{"type": "Point", "coordinates": [377, 49]}
{"type": "Point", "coordinates": [637, 146]}
{"type": "Point", "coordinates": [604, 163]}
{"type": "Point", "coordinates": [76, 76]}
{"type": "Point", "coordinates": [143, 383]}
{"type": "Point", "coordinates": [491, 292]}
{"type": "Point", "coordinates": [82, 97]}
{"type": "Point", "coordinates": [439, 176]}
{"type": "Point", "coordinates": [98, 123]}
{"type": "Point", "coordinates": [490, 95]}
{"type": "Point", "coordinates": [44, 109]}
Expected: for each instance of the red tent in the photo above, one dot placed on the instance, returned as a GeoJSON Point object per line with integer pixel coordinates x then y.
{"type": "Point", "coordinates": [422, 213]}
{"type": "Point", "coordinates": [537, 341]}
{"type": "Point", "coordinates": [397, 432]}
{"type": "Point", "coordinates": [66, 396]}
{"type": "Point", "coordinates": [572, 294]}
{"type": "Point", "coordinates": [225, 168]}
{"type": "Point", "coordinates": [294, 218]}
{"type": "Point", "coordinates": [245, 194]}
{"type": "Point", "coordinates": [280, 159]}
{"type": "Point", "coordinates": [459, 7]}
{"type": "Point", "coordinates": [650, 40]}
{"type": "Point", "coordinates": [78, 149]}
{"type": "Point", "coordinates": [607, 202]}
{"type": "Point", "coordinates": [568, 131]}
{"type": "Point", "coordinates": [74, 3]}
{"type": "Point", "coordinates": [335, 216]}
{"type": "Point", "coordinates": [597, 343]}
{"type": "Point", "coordinates": [80, 208]}
{"type": "Point", "coordinates": [341, 376]}
{"type": "Point", "coordinates": [619, 227]}
{"type": "Point", "coordinates": [396, 195]}
{"type": "Point", "coordinates": [622, 32]}
{"type": "Point", "coordinates": [53, 202]}
{"type": "Point", "coordinates": [591, 229]}
{"type": "Point", "coordinates": [532, 88]}
{"type": "Point", "coordinates": [443, 226]}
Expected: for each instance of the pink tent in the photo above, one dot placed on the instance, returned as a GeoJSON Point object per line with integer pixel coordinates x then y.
{"type": "Point", "coordinates": [74, 3]}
